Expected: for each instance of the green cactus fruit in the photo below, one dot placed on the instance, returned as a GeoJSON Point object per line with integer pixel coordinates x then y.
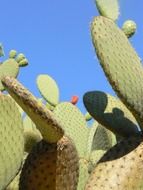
{"type": "Point", "coordinates": [11, 140]}
{"type": "Point", "coordinates": [14, 184]}
{"type": "Point", "coordinates": [1, 50]}
{"type": "Point", "coordinates": [43, 118]}
{"type": "Point", "coordinates": [48, 89]}
{"type": "Point", "coordinates": [83, 173]}
{"type": "Point", "coordinates": [9, 67]}
{"type": "Point", "coordinates": [108, 8]}
{"type": "Point", "coordinates": [88, 117]}
{"type": "Point", "coordinates": [103, 139]}
{"type": "Point", "coordinates": [51, 166]}
{"type": "Point", "coordinates": [120, 63]}
{"type": "Point", "coordinates": [111, 113]}
{"type": "Point", "coordinates": [31, 134]}
{"type": "Point", "coordinates": [74, 125]}
{"type": "Point", "coordinates": [120, 168]}
{"type": "Point", "coordinates": [129, 28]}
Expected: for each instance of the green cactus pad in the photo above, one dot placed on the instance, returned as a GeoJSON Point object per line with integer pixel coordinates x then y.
{"type": "Point", "coordinates": [111, 113]}
{"type": "Point", "coordinates": [83, 173]}
{"type": "Point", "coordinates": [95, 156]}
{"type": "Point", "coordinates": [120, 168]}
{"type": "Point", "coordinates": [108, 8]}
{"type": "Point", "coordinates": [74, 125]}
{"type": "Point", "coordinates": [8, 68]}
{"type": "Point", "coordinates": [103, 139]}
{"type": "Point", "coordinates": [11, 140]}
{"type": "Point", "coordinates": [48, 89]}
{"type": "Point", "coordinates": [1, 50]}
{"type": "Point", "coordinates": [31, 134]}
{"type": "Point", "coordinates": [44, 119]}
{"type": "Point", "coordinates": [120, 63]}
{"type": "Point", "coordinates": [51, 166]}
{"type": "Point", "coordinates": [14, 184]}
{"type": "Point", "coordinates": [129, 28]}
{"type": "Point", "coordinates": [91, 134]}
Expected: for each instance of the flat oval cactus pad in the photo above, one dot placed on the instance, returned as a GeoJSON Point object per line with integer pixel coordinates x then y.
{"type": "Point", "coordinates": [43, 118]}
{"type": "Point", "coordinates": [111, 113]}
{"type": "Point", "coordinates": [11, 140]}
{"type": "Point", "coordinates": [120, 63]}
{"type": "Point", "coordinates": [48, 89]}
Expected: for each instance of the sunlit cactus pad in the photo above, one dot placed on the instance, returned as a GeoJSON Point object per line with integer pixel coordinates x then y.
{"type": "Point", "coordinates": [120, 63]}
{"type": "Point", "coordinates": [108, 8]}
{"type": "Point", "coordinates": [44, 119]}
{"type": "Point", "coordinates": [111, 113]}
{"type": "Point", "coordinates": [51, 166]}
{"type": "Point", "coordinates": [48, 89]}
{"type": "Point", "coordinates": [120, 168]}
{"type": "Point", "coordinates": [11, 140]}
{"type": "Point", "coordinates": [74, 125]}
{"type": "Point", "coordinates": [10, 67]}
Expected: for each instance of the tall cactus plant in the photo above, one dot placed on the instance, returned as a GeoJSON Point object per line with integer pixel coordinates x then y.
{"type": "Point", "coordinates": [68, 154]}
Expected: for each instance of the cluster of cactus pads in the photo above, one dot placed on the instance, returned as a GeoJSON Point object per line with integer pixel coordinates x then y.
{"type": "Point", "coordinates": [48, 144]}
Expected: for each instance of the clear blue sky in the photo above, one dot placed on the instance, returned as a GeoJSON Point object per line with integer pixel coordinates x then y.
{"type": "Point", "coordinates": [55, 37]}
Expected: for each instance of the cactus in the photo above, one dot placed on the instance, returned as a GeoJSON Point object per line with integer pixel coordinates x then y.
{"type": "Point", "coordinates": [12, 140]}
{"type": "Point", "coordinates": [108, 8]}
{"type": "Point", "coordinates": [10, 67]}
{"type": "Point", "coordinates": [65, 153]}
{"type": "Point", "coordinates": [129, 28]}
{"type": "Point", "coordinates": [48, 89]}
{"type": "Point", "coordinates": [111, 112]}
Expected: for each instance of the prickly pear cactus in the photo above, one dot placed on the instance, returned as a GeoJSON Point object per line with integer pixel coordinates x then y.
{"type": "Point", "coordinates": [108, 8]}
{"type": "Point", "coordinates": [74, 125]}
{"type": "Point", "coordinates": [11, 140]}
{"type": "Point", "coordinates": [31, 134]}
{"type": "Point", "coordinates": [10, 67]}
{"type": "Point", "coordinates": [123, 67]}
{"type": "Point", "coordinates": [44, 119]}
{"type": "Point", "coordinates": [48, 89]}
{"type": "Point", "coordinates": [129, 28]}
{"type": "Point", "coordinates": [51, 166]}
{"type": "Point", "coordinates": [111, 112]}
{"type": "Point", "coordinates": [120, 168]}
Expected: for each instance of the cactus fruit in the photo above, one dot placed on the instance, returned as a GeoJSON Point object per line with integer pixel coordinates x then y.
{"type": "Point", "coordinates": [11, 140]}
{"type": "Point", "coordinates": [51, 166]}
{"type": "Point", "coordinates": [48, 89]}
{"type": "Point", "coordinates": [88, 117]}
{"type": "Point", "coordinates": [129, 28]}
{"type": "Point", "coordinates": [44, 119]}
{"type": "Point", "coordinates": [74, 100]}
{"type": "Point", "coordinates": [123, 67]}
{"type": "Point", "coordinates": [111, 113]}
{"type": "Point", "coordinates": [10, 67]}
{"type": "Point", "coordinates": [108, 8]}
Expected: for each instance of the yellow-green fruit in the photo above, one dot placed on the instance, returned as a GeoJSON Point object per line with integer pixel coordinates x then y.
{"type": "Point", "coordinates": [11, 140]}
{"type": "Point", "coordinates": [51, 166]}
{"type": "Point", "coordinates": [129, 28]}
